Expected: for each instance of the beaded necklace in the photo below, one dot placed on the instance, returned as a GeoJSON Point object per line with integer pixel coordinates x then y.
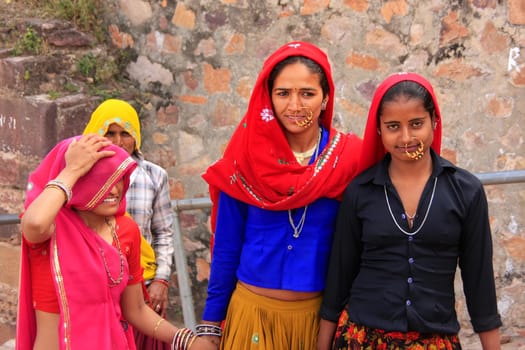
{"type": "Point", "coordinates": [426, 214]}
{"type": "Point", "coordinates": [113, 282]}
{"type": "Point", "coordinates": [301, 156]}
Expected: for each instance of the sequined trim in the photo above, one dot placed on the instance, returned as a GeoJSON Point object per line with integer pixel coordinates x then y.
{"type": "Point", "coordinates": [108, 183]}
{"type": "Point", "coordinates": [319, 165]}
{"type": "Point", "coordinates": [123, 123]}
{"type": "Point", "coordinates": [327, 153]}
{"type": "Point", "coordinates": [62, 295]}
{"type": "Point", "coordinates": [248, 188]}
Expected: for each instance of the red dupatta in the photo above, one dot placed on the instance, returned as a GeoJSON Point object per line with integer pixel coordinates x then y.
{"type": "Point", "coordinates": [373, 150]}
{"type": "Point", "coordinates": [89, 308]}
{"type": "Point", "coordinates": [258, 166]}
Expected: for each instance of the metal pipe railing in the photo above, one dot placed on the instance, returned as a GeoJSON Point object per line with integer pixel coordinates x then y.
{"type": "Point", "coordinates": [502, 177]}
{"type": "Point", "coordinates": [491, 178]}
{"type": "Point", "coordinates": [188, 310]}
{"type": "Point", "coordinates": [179, 255]}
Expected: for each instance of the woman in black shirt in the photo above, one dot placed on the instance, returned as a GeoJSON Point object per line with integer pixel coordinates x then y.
{"type": "Point", "coordinates": [404, 225]}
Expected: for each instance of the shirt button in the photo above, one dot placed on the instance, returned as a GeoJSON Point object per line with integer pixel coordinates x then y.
{"type": "Point", "coordinates": [410, 260]}
{"type": "Point", "coordinates": [408, 303]}
{"type": "Point", "coordinates": [290, 247]}
{"type": "Point", "coordinates": [410, 238]}
{"type": "Point", "coordinates": [410, 280]}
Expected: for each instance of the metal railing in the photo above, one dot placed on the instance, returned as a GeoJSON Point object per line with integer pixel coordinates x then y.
{"type": "Point", "coordinates": [188, 311]}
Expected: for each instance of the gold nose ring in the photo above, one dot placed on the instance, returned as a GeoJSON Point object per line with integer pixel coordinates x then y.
{"type": "Point", "coordinates": [418, 153]}
{"type": "Point", "coordinates": [308, 120]}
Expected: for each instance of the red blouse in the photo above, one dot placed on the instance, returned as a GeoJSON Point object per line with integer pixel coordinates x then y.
{"type": "Point", "coordinates": [43, 289]}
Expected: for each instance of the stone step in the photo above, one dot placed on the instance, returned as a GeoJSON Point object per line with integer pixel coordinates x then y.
{"type": "Point", "coordinates": [52, 67]}
{"type": "Point", "coordinates": [40, 122]}
{"type": "Point", "coordinates": [29, 75]}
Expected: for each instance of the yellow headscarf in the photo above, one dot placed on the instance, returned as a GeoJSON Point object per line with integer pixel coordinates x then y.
{"type": "Point", "coordinates": [120, 112]}
{"type": "Point", "coordinates": [115, 111]}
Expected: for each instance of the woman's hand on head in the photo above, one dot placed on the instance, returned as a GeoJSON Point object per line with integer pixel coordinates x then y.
{"type": "Point", "coordinates": [83, 153]}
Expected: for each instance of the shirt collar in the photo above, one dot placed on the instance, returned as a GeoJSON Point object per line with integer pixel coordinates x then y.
{"type": "Point", "coordinates": [378, 174]}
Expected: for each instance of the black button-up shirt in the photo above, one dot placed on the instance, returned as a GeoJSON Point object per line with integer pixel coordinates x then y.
{"type": "Point", "coordinates": [404, 281]}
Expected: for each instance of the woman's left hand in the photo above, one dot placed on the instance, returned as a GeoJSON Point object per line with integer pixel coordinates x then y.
{"type": "Point", "coordinates": [158, 293]}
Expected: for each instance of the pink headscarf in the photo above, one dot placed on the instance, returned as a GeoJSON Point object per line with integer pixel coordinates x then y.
{"type": "Point", "coordinates": [89, 308]}
{"type": "Point", "coordinates": [373, 150]}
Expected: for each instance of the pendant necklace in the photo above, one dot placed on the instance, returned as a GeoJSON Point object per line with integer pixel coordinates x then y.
{"type": "Point", "coordinates": [410, 218]}
{"type": "Point", "coordinates": [297, 229]}
{"type": "Point", "coordinates": [424, 219]}
{"type": "Point", "coordinates": [113, 281]}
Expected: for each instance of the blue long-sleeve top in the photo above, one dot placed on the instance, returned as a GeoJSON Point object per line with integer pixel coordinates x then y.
{"type": "Point", "coordinates": [256, 246]}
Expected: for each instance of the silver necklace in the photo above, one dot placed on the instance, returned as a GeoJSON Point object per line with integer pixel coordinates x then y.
{"type": "Point", "coordinates": [426, 214]}
{"type": "Point", "coordinates": [297, 229]}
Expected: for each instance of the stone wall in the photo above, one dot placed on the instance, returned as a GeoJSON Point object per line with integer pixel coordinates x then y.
{"type": "Point", "coordinates": [197, 61]}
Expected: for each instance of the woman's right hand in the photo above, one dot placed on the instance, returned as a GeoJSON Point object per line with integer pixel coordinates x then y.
{"type": "Point", "coordinates": [83, 153]}
{"type": "Point", "coordinates": [205, 343]}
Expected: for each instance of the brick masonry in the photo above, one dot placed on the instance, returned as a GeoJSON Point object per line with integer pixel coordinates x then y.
{"type": "Point", "coordinates": [199, 60]}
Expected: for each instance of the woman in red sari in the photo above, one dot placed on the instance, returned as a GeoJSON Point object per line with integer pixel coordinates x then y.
{"type": "Point", "coordinates": [275, 195]}
{"type": "Point", "coordinates": [80, 261]}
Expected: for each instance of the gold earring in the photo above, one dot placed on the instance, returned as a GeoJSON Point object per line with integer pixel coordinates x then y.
{"type": "Point", "coordinates": [418, 153]}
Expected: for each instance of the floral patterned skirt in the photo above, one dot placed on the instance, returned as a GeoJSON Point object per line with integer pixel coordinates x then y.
{"type": "Point", "coordinates": [350, 336]}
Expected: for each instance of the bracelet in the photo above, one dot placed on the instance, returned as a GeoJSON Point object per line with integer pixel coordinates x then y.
{"type": "Point", "coordinates": [191, 342]}
{"type": "Point", "coordinates": [182, 339]}
{"type": "Point", "coordinates": [58, 188]}
{"type": "Point", "coordinates": [208, 329]}
{"type": "Point", "coordinates": [164, 282]}
{"type": "Point", "coordinates": [62, 186]}
{"type": "Point", "coordinates": [157, 326]}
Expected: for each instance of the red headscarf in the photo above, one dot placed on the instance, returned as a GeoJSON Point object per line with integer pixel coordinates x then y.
{"type": "Point", "coordinates": [373, 150]}
{"type": "Point", "coordinates": [258, 166]}
{"type": "Point", "coordinates": [89, 308]}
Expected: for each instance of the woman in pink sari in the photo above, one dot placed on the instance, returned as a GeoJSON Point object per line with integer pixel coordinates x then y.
{"type": "Point", "coordinates": [80, 266]}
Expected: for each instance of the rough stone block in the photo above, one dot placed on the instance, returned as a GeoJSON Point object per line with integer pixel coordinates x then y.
{"type": "Point", "coordinates": [27, 125]}
{"type": "Point", "coordinates": [73, 113]}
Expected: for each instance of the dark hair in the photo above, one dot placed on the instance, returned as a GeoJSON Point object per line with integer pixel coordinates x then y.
{"type": "Point", "coordinates": [409, 89]}
{"type": "Point", "coordinates": [313, 66]}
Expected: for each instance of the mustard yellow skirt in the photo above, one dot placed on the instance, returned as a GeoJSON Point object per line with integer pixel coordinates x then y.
{"type": "Point", "coordinates": [254, 322]}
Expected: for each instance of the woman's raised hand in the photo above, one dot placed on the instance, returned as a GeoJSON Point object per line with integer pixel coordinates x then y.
{"type": "Point", "coordinates": [84, 152]}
